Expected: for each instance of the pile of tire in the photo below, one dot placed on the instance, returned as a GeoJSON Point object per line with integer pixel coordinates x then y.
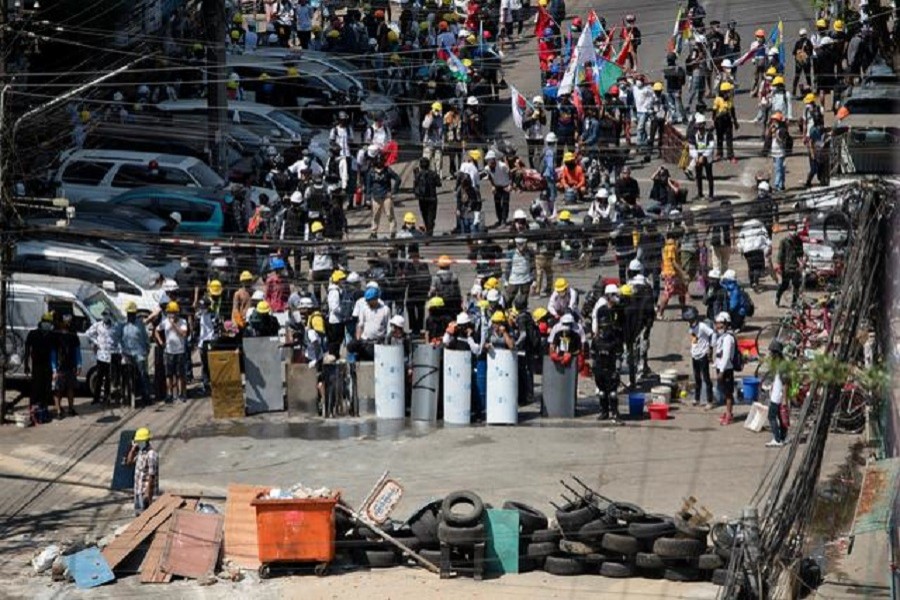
{"type": "Point", "coordinates": [367, 549]}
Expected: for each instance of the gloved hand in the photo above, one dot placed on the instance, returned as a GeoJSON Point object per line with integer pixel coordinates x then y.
{"type": "Point", "coordinates": [566, 359]}
{"type": "Point", "coordinates": [555, 357]}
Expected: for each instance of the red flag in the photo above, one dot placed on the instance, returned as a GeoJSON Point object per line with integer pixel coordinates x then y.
{"type": "Point", "coordinates": [624, 52]}
{"type": "Point", "coordinates": [543, 21]}
{"type": "Point", "coordinates": [607, 48]}
{"type": "Point", "coordinates": [576, 101]}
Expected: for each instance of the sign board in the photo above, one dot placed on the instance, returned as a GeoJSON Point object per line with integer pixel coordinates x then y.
{"type": "Point", "coordinates": [383, 501]}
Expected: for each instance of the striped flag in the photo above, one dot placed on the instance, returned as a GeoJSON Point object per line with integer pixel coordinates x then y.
{"type": "Point", "coordinates": [681, 31]}
{"type": "Point", "coordinates": [776, 39]}
{"type": "Point", "coordinates": [584, 52]}
{"type": "Point", "coordinates": [519, 106]}
{"type": "Point", "coordinates": [594, 25]}
{"type": "Point", "coordinates": [456, 66]}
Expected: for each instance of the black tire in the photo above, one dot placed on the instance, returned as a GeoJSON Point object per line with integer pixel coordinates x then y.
{"type": "Point", "coordinates": [620, 543]}
{"type": "Point", "coordinates": [560, 564]}
{"type": "Point", "coordinates": [710, 562]}
{"type": "Point", "coordinates": [541, 550]}
{"type": "Point", "coordinates": [410, 541]}
{"type": "Point", "coordinates": [683, 574]}
{"type": "Point", "coordinates": [570, 521]}
{"type": "Point", "coordinates": [719, 576]}
{"type": "Point", "coordinates": [721, 535]}
{"type": "Point", "coordinates": [432, 556]}
{"type": "Point", "coordinates": [544, 535]}
{"type": "Point", "coordinates": [668, 547]}
{"type": "Point", "coordinates": [625, 512]}
{"type": "Point", "coordinates": [527, 564]}
{"type": "Point", "coordinates": [593, 561]}
{"type": "Point", "coordinates": [650, 532]}
{"type": "Point", "coordinates": [367, 532]}
{"type": "Point", "coordinates": [466, 518]}
{"type": "Point", "coordinates": [616, 569]}
{"type": "Point", "coordinates": [461, 536]}
{"type": "Point", "coordinates": [592, 533]}
{"type": "Point", "coordinates": [530, 518]}
{"type": "Point", "coordinates": [725, 553]}
{"type": "Point", "coordinates": [424, 524]}
{"type": "Point", "coordinates": [697, 532]}
{"type": "Point", "coordinates": [379, 559]}
{"type": "Point", "coordinates": [648, 560]}
{"type": "Point", "coordinates": [574, 548]}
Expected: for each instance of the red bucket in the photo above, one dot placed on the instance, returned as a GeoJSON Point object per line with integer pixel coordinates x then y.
{"type": "Point", "coordinates": [658, 412]}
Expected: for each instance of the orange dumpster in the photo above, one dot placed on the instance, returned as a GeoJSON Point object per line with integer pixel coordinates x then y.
{"type": "Point", "coordinates": [295, 531]}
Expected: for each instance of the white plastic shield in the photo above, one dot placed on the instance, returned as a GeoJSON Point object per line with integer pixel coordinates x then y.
{"type": "Point", "coordinates": [457, 387]}
{"type": "Point", "coordinates": [502, 388]}
{"type": "Point", "coordinates": [390, 385]}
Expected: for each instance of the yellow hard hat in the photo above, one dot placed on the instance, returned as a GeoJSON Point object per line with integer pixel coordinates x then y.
{"type": "Point", "coordinates": [626, 290]}
{"type": "Point", "coordinates": [809, 98]}
{"type": "Point", "coordinates": [565, 215]}
{"type": "Point", "coordinates": [491, 283]}
{"type": "Point", "coordinates": [237, 18]}
{"type": "Point", "coordinates": [316, 227]}
{"type": "Point", "coordinates": [560, 285]}
{"type": "Point", "coordinates": [471, 38]}
{"type": "Point", "coordinates": [539, 313]}
{"type": "Point", "coordinates": [821, 24]}
{"type": "Point", "coordinates": [395, 58]}
{"type": "Point", "coordinates": [172, 307]}
{"type": "Point", "coordinates": [568, 156]}
{"type": "Point", "coordinates": [483, 304]}
{"type": "Point", "coordinates": [542, 3]}
{"type": "Point", "coordinates": [779, 80]}
{"type": "Point", "coordinates": [436, 302]}
{"type": "Point", "coordinates": [142, 435]}
{"type": "Point", "coordinates": [235, 34]}
{"type": "Point", "coordinates": [246, 276]}
{"type": "Point", "coordinates": [838, 25]}
{"type": "Point", "coordinates": [85, 116]}
{"type": "Point", "coordinates": [338, 275]}
{"type": "Point", "coordinates": [293, 71]}
{"type": "Point", "coordinates": [393, 36]}
{"type": "Point", "coordinates": [264, 77]}
{"type": "Point", "coordinates": [444, 261]}
{"type": "Point", "coordinates": [263, 307]}
{"type": "Point", "coordinates": [658, 86]}
{"type": "Point", "coordinates": [232, 85]}
{"type": "Point", "coordinates": [498, 317]}
{"type": "Point", "coordinates": [423, 26]}
{"type": "Point", "coordinates": [726, 86]}
{"type": "Point", "coordinates": [772, 71]}
{"type": "Point", "coordinates": [409, 218]}
{"type": "Point", "coordinates": [333, 34]}
{"type": "Point", "coordinates": [475, 154]}
{"type": "Point", "coordinates": [215, 287]}
{"type": "Point", "coordinates": [437, 106]}
{"type": "Point", "coordinates": [130, 307]}
{"type": "Point", "coordinates": [317, 322]}
{"type": "Point", "coordinates": [47, 317]}
{"type": "Point", "coordinates": [467, 62]}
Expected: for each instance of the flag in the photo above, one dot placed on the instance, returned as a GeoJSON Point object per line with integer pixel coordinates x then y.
{"type": "Point", "coordinates": [607, 74]}
{"type": "Point", "coordinates": [584, 52]}
{"type": "Point", "coordinates": [607, 47]}
{"type": "Point", "coordinates": [682, 31]}
{"type": "Point", "coordinates": [456, 66]}
{"type": "Point", "coordinates": [543, 21]}
{"type": "Point", "coordinates": [747, 55]}
{"type": "Point", "coordinates": [625, 51]}
{"type": "Point", "coordinates": [519, 106]}
{"type": "Point", "coordinates": [594, 25]}
{"type": "Point", "coordinates": [577, 102]}
{"type": "Point", "coordinates": [776, 39]}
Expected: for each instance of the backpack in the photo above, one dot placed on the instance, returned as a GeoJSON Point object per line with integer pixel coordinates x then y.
{"type": "Point", "coordinates": [815, 113]}
{"type": "Point", "coordinates": [737, 359]}
{"type": "Point", "coordinates": [533, 340]}
{"type": "Point", "coordinates": [447, 287]}
{"type": "Point", "coordinates": [425, 186]}
{"type": "Point", "coordinates": [746, 305]}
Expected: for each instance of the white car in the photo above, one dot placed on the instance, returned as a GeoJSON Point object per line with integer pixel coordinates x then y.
{"type": "Point", "coordinates": [122, 278]}
{"type": "Point", "coordinates": [103, 174]}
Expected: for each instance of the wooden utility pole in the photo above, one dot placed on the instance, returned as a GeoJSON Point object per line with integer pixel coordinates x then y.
{"type": "Point", "coordinates": [217, 100]}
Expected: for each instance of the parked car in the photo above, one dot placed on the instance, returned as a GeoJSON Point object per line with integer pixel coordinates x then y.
{"type": "Point", "coordinates": [123, 278]}
{"type": "Point", "coordinates": [204, 211]}
{"type": "Point", "coordinates": [30, 296]}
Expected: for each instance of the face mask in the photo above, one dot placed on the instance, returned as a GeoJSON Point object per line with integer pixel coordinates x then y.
{"type": "Point", "coordinates": [639, 84]}
{"type": "Point", "coordinates": [185, 265]}
{"type": "Point", "coordinates": [45, 326]}
{"type": "Point", "coordinates": [297, 316]}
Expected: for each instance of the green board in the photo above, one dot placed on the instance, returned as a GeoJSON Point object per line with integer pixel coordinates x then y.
{"type": "Point", "coordinates": [502, 554]}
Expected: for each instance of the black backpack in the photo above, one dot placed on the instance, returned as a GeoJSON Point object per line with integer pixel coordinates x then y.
{"type": "Point", "coordinates": [532, 333]}
{"type": "Point", "coordinates": [737, 359]}
{"type": "Point", "coordinates": [747, 304]}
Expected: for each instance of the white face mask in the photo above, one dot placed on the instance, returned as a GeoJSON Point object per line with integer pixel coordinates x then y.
{"type": "Point", "coordinates": [638, 84]}
{"type": "Point", "coordinates": [297, 315]}
{"type": "Point", "coordinates": [185, 264]}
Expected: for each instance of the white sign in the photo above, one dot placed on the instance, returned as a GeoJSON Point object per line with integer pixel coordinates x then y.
{"type": "Point", "coordinates": [382, 503]}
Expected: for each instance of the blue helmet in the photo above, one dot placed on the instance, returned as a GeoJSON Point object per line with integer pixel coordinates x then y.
{"type": "Point", "coordinates": [371, 294]}
{"type": "Point", "coordinates": [548, 32]}
{"type": "Point", "coordinates": [276, 263]}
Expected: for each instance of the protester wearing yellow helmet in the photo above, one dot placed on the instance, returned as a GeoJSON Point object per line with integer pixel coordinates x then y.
{"type": "Point", "coordinates": [171, 334]}
{"type": "Point", "coordinates": [499, 337]}
{"type": "Point", "coordinates": [262, 323]}
{"type": "Point", "coordinates": [725, 120]}
{"type": "Point", "coordinates": [563, 299]}
{"type": "Point", "coordinates": [145, 460]}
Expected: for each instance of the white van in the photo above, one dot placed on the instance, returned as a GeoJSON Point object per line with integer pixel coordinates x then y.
{"type": "Point", "coordinates": [122, 278]}
{"type": "Point", "coordinates": [30, 296]}
{"type": "Point", "coordinates": [102, 174]}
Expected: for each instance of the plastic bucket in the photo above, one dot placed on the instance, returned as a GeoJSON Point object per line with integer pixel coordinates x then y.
{"type": "Point", "coordinates": [660, 394]}
{"type": "Point", "coordinates": [751, 389]}
{"type": "Point", "coordinates": [636, 405]}
{"type": "Point", "coordinates": [658, 412]}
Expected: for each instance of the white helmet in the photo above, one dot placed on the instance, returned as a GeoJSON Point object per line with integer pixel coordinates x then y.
{"type": "Point", "coordinates": [803, 31]}
{"type": "Point", "coordinates": [493, 296]}
{"type": "Point", "coordinates": [550, 138]}
{"type": "Point", "coordinates": [219, 263]}
{"type": "Point", "coordinates": [372, 285]}
{"type": "Point", "coordinates": [306, 302]}
{"type": "Point", "coordinates": [726, 63]}
{"type": "Point", "coordinates": [729, 275]}
{"type": "Point", "coordinates": [373, 150]}
{"type": "Point", "coordinates": [602, 193]}
{"type": "Point", "coordinates": [491, 155]}
{"type": "Point", "coordinates": [472, 101]}
{"type": "Point", "coordinates": [714, 274]}
{"type": "Point", "coordinates": [723, 317]}
{"type": "Point", "coordinates": [537, 100]}
{"type": "Point", "coordinates": [398, 321]}
{"type": "Point", "coordinates": [258, 295]}
{"type": "Point", "coordinates": [463, 319]}
{"type": "Point", "coordinates": [699, 118]}
{"type": "Point", "coordinates": [476, 290]}
{"type": "Point", "coordinates": [353, 277]}
{"type": "Point", "coordinates": [635, 265]}
{"type": "Point", "coordinates": [611, 289]}
{"type": "Point", "coordinates": [520, 241]}
{"type": "Point", "coordinates": [763, 186]}
{"type": "Point", "coordinates": [567, 319]}
{"type": "Point", "coordinates": [519, 215]}
{"type": "Point", "coordinates": [639, 280]}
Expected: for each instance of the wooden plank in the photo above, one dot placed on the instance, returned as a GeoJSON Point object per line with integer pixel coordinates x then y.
{"type": "Point", "coordinates": [193, 544]}
{"type": "Point", "coordinates": [140, 529]}
{"type": "Point", "coordinates": [151, 567]}
{"type": "Point", "coordinates": [241, 542]}
{"type": "Point", "coordinates": [227, 396]}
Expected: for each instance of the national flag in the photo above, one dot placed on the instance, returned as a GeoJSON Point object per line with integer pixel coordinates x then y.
{"type": "Point", "coordinates": [776, 39]}
{"type": "Point", "coordinates": [606, 49]}
{"type": "Point", "coordinates": [624, 52]}
{"type": "Point", "coordinates": [584, 53]}
{"type": "Point", "coordinates": [594, 25]}
{"type": "Point", "coordinates": [608, 74]}
{"type": "Point", "coordinates": [745, 58]}
{"type": "Point", "coordinates": [682, 31]}
{"type": "Point", "coordinates": [456, 66]}
{"type": "Point", "coordinates": [519, 106]}
{"type": "Point", "coordinates": [542, 21]}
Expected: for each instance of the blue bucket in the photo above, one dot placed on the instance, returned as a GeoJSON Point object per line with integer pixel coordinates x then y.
{"type": "Point", "coordinates": [636, 405]}
{"type": "Point", "coordinates": [751, 389]}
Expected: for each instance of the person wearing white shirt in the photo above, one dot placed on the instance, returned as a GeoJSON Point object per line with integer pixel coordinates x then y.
{"type": "Point", "coordinates": [724, 344]}
{"type": "Point", "coordinates": [643, 100]}
{"type": "Point", "coordinates": [776, 397]}
{"type": "Point", "coordinates": [701, 342]}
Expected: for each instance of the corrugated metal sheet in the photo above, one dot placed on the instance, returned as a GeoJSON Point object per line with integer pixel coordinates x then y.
{"type": "Point", "coordinates": [193, 544]}
{"type": "Point", "coordinates": [877, 496]}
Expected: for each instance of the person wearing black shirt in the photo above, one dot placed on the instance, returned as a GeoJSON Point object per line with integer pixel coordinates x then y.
{"type": "Point", "coordinates": [675, 78]}
{"type": "Point", "coordinates": [803, 51]}
{"type": "Point", "coordinates": [39, 345]}
{"type": "Point", "coordinates": [627, 188]}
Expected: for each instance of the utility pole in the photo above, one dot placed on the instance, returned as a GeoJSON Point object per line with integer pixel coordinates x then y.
{"type": "Point", "coordinates": [217, 100]}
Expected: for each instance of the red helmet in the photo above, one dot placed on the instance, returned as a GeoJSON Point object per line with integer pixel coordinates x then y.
{"type": "Point", "coordinates": [613, 90]}
{"type": "Point", "coordinates": [576, 22]}
{"type": "Point", "coordinates": [486, 35]}
{"type": "Point", "coordinates": [379, 14]}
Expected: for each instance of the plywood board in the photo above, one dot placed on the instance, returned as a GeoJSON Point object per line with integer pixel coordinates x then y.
{"type": "Point", "coordinates": [225, 380]}
{"type": "Point", "coordinates": [302, 393]}
{"type": "Point", "coordinates": [241, 541]}
{"type": "Point", "coordinates": [123, 475]}
{"type": "Point", "coordinates": [263, 371]}
{"type": "Point", "coordinates": [193, 544]}
{"type": "Point", "coordinates": [140, 529]}
{"type": "Point", "coordinates": [151, 567]}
